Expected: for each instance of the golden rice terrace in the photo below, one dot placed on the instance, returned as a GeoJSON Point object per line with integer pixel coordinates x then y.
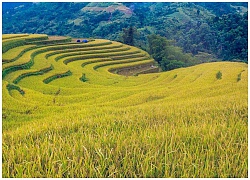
{"type": "Point", "coordinates": [101, 108]}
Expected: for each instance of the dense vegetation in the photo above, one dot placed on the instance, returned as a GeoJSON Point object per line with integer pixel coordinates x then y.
{"type": "Point", "coordinates": [207, 30]}
{"type": "Point", "coordinates": [225, 36]}
{"type": "Point", "coordinates": [168, 56]}
{"type": "Point", "coordinates": [66, 112]}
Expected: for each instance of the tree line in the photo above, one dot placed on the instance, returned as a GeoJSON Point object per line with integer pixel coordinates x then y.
{"type": "Point", "coordinates": [222, 38]}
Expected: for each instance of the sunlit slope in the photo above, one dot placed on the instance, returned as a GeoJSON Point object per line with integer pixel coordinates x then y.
{"type": "Point", "coordinates": [66, 115]}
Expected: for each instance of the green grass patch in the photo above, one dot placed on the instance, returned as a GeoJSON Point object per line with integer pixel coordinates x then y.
{"type": "Point", "coordinates": [11, 87]}
{"type": "Point", "coordinates": [35, 73]}
{"type": "Point", "coordinates": [56, 76]}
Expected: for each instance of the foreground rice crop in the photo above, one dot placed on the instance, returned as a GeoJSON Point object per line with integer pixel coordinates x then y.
{"type": "Point", "coordinates": [66, 113]}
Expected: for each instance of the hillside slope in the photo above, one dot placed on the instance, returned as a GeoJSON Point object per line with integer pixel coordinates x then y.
{"type": "Point", "coordinates": [214, 28]}
{"type": "Point", "coordinates": [66, 113]}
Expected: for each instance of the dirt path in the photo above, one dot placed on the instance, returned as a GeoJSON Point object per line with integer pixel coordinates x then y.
{"type": "Point", "coordinates": [56, 37]}
{"type": "Point", "coordinates": [130, 71]}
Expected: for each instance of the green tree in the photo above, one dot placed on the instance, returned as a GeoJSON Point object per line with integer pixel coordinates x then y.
{"type": "Point", "coordinates": [128, 36]}
{"type": "Point", "coordinates": [174, 64]}
{"type": "Point", "coordinates": [167, 55]}
{"type": "Point", "coordinates": [157, 46]}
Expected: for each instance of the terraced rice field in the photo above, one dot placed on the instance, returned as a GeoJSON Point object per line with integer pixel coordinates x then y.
{"type": "Point", "coordinates": [69, 110]}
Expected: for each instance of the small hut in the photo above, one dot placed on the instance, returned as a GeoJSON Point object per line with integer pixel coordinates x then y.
{"type": "Point", "coordinates": [85, 41]}
{"type": "Point", "coordinates": [78, 40]}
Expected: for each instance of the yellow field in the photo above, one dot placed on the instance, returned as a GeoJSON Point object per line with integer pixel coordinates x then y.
{"type": "Point", "coordinates": [64, 114]}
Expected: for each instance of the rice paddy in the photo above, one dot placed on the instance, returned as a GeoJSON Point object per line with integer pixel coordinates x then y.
{"type": "Point", "coordinates": [67, 112]}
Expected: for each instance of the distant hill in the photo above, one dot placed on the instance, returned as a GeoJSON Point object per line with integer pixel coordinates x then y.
{"type": "Point", "coordinates": [182, 22]}
{"type": "Point", "coordinates": [104, 20]}
{"type": "Point", "coordinates": [220, 8]}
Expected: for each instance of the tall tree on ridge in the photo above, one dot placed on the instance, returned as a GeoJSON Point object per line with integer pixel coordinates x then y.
{"type": "Point", "coordinates": [128, 36]}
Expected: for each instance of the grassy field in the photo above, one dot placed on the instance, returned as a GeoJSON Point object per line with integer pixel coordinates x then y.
{"type": "Point", "coordinates": [64, 114]}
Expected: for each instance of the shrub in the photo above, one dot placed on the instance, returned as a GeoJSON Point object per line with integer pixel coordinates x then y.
{"type": "Point", "coordinates": [219, 75]}
{"type": "Point", "coordinates": [83, 78]}
{"type": "Point", "coordinates": [239, 77]}
{"type": "Point", "coordinates": [170, 65]}
{"type": "Point", "coordinates": [174, 65]}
